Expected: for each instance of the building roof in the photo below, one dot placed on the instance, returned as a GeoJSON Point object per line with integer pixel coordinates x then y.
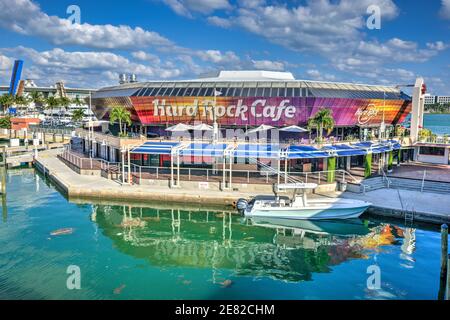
{"type": "Point", "coordinates": [256, 81]}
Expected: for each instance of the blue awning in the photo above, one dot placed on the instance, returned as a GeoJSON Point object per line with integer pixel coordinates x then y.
{"type": "Point", "coordinates": [343, 150]}
{"type": "Point", "coordinates": [257, 151]}
{"type": "Point", "coordinates": [151, 147]}
{"type": "Point", "coordinates": [204, 150]}
{"type": "Point", "coordinates": [305, 152]}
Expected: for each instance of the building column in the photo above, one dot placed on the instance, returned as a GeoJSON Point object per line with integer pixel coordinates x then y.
{"type": "Point", "coordinates": [331, 167]}
{"type": "Point", "coordinates": [417, 109]}
{"type": "Point", "coordinates": [367, 165]}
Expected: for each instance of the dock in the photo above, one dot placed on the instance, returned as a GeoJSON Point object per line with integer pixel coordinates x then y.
{"type": "Point", "coordinates": [402, 204]}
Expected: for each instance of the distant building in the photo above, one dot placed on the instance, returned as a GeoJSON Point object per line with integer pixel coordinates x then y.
{"type": "Point", "coordinates": [431, 99]}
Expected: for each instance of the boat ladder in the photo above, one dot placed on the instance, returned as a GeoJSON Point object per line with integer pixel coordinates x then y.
{"type": "Point", "coordinates": [409, 216]}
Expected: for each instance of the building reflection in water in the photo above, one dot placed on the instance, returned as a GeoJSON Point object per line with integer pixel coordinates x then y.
{"type": "Point", "coordinates": [282, 249]}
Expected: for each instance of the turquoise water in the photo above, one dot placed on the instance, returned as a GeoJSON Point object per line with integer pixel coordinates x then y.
{"type": "Point", "coordinates": [157, 252]}
{"type": "Point", "coordinates": [437, 123]}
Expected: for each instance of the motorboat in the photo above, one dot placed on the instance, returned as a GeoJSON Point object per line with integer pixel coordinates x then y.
{"type": "Point", "coordinates": [298, 206]}
{"type": "Point", "coordinates": [347, 227]}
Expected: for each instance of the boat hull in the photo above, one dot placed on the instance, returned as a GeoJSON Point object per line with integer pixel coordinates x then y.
{"type": "Point", "coordinates": [323, 211]}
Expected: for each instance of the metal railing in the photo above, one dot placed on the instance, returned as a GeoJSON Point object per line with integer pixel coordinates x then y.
{"type": "Point", "coordinates": [385, 178]}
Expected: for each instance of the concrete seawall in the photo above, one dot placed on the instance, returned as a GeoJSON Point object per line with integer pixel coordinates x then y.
{"type": "Point", "coordinates": [423, 207]}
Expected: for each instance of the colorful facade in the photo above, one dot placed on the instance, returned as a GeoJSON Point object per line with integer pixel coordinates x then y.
{"type": "Point", "coordinates": [252, 103]}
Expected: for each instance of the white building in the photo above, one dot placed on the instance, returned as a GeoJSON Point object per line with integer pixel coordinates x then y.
{"type": "Point", "coordinates": [431, 99]}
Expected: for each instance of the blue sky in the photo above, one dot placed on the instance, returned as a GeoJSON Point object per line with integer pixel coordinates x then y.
{"type": "Point", "coordinates": [181, 39]}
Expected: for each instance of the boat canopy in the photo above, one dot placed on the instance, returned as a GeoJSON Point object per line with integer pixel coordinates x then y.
{"type": "Point", "coordinates": [298, 185]}
{"type": "Point", "coordinates": [204, 149]}
{"type": "Point", "coordinates": [305, 152]}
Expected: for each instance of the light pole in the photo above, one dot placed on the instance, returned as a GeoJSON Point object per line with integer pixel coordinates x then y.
{"type": "Point", "coordinates": [383, 124]}
{"type": "Point", "coordinates": [215, 124]}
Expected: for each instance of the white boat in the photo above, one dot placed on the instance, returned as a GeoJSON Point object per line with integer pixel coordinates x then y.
{"type": "Point", "coordinates": [300, 207]}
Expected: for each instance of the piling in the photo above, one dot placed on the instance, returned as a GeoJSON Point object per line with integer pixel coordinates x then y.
{"type": "Point", "coordinates": [444, 250]}
{"type": "Point", "coordinates": [3, 172]}
{"type": "Point", "coordinates": [448, 278]}
{"type": "Point", "coordinates": [444, 281]}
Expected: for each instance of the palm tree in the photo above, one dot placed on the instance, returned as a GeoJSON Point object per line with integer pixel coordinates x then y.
{"type": "Point", "coordinates": [37, 98]}
{"type": "Point", "coordinates": [122, 115]}
{"type": "Point", "coordinates": [77, 101]}
{"type": "Point", "coordinates": [6, 101]}
{"type": "Point", "coordinates": [64, 102]}
{"type": "Point", "coordinates": [77, 115]}
{"type": "Point", "coordinates": [21, 101]}
{"type": "Point", "coordinates": [5, 122]}
{"type": "Point", "coordinates": [323, 119]}
{"type": "Point", "coordinates": [51, 103]}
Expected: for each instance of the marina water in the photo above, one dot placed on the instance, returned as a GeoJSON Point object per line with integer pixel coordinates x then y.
{"type": "Point", "coordinates": [164, 251]}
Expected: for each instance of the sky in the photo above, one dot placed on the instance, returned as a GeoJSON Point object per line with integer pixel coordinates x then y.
{"type": "Point", "coordinates": [362, 41]}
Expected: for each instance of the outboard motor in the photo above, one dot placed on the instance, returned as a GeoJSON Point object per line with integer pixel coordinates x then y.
{"type": "Point", "coordinates": [241, 205]}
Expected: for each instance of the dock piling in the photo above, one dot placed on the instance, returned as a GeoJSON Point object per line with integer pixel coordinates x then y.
{"type": "Point", "coordinates": [444, 276]}
{"type": "Point", "coordinates": [448, 278]}
{"type": "Point", "coordinates": [444, 250]}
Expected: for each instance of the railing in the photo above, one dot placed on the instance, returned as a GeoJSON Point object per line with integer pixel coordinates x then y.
{"type": "Point", "coordinates": [423, 180]}
{"type": "Point", "coordinates": [87, 163]}
{"type": "Point", "coordinates": [385, 178]}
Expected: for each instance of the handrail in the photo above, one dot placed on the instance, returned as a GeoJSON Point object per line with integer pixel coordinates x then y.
{"type": "Point", "coordinates": [385, 177]}
{"type": "Point", "coordinates": [423, 180]}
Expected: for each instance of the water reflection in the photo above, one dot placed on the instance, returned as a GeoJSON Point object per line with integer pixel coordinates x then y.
{"type": "Point", "coordinates": [282, 249]}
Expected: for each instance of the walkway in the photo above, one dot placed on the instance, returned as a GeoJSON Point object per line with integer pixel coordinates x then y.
{"type": "Point", "coordinates": [422, 203]}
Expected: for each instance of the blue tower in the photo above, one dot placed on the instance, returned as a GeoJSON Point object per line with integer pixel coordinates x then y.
{"type": "Point", "coordinates": [15, 77]}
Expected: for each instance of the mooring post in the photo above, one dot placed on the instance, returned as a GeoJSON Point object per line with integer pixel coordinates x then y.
{"type": "Point", "coordinates": [444, 250]}
{"type": "Point", "coordinates": [448, 277]}
{"type": "Point", "coordinates": [443, 279]}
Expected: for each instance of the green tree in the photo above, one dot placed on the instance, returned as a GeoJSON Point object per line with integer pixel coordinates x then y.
{"type": "Point", "coordinates": [121, 115]}
{"type": "Point", "coordinates": [323, 119]}
{"type": "Point", "coordinates": [77, 101]}
{"type": "Point", "coordinates": [6, 100]}
{"type": "Point", "coordinates": [5, 122]}
{"type": "Point", "coordinates": [77, 115]}
{"type": "Point", "coordinates": [51, 103]}
{"type": "Point", "coordinates": [21, 101]}
{"type": "Point", "coordinates": [38, 98]}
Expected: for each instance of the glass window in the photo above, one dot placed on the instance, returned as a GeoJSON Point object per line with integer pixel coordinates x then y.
{"type": "Point", "coordinates": [252, 92]}
{"type": "Point", "coordinates": [432, 151]}
{"type": "Point", "coordinates": [175, 92]}
{"type": "Point", "coordinates": [238, 92]}
{"type": "Point", "coordinates": [289, 92]}
{"type": "Point", "coordinates": [281, 92]}
{"type": "Point", "coordinates": [195, 92]}
{"type": "Point", "coordinates": [297, 92]}
{"type": "Point", "coordinates": [209, 92]}
{"type": "Point", "coordinates": [181, 92]}
{"type": "Point", "coordinates": [245, 92]}
{"type": "Point", "coordinates": [188, 92]}
{"type": "Point", "coordinates": [230, 92]}
{"type": "Point", "coordinates": [260, 92]}
{"type": "Point", "coordinates": [159, 91]}
{"type": "Point", "coordinates": [202, 92]}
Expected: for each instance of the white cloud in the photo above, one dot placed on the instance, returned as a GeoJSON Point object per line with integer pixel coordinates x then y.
{"type": "Point", "coordinates": [219, 22]}
{"type": "Point", "coordinates": [5, 63]}
{"type": "Point", "coordinates": [145, 56]}
{"type": "Point", "coordinates": [25, 17]}
{"type": "Point", "coordinates": [315, 74]}
{"type": "Point", "coordinates": [268, 65]}
{"type": "Point", "coordinates": [445, 9]}
{"type": "Point", "coordinates": [186, 7]}
{"type": "Point", "coordinates": [218, 57]}
{"type": "Point", "coordinates": [438, 45]}
{"type": "Point", "coordinates": [85, 68]}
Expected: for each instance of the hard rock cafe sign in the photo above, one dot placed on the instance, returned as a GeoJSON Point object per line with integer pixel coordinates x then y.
{"type": "Point", "coordinates": [365, 114]}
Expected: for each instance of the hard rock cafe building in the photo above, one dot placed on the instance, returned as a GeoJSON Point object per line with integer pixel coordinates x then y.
{"type": "Point", "coordinates": [245, 100]}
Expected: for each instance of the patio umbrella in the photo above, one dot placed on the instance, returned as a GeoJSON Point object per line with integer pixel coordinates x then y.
{"type": "Point", "coordinates": [179, 128]}
{"type": "Point", "coordinates": [293, 129]}
{"type": "Point", "coordinates": [203, 127]}
{"type": "Point", "coordinates": [263, 127]}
